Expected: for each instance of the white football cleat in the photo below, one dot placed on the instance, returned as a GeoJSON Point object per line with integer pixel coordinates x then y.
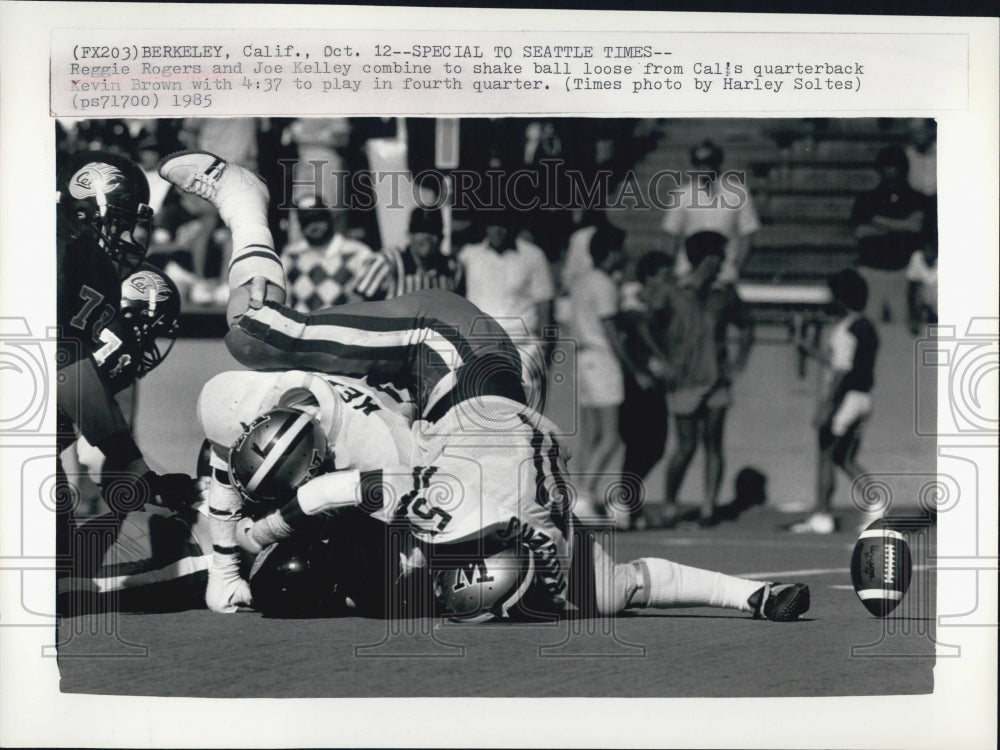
{"type": "Point", "coordinates": [232, 189]}
{"type": "Point", "coordinates": [817, 523]}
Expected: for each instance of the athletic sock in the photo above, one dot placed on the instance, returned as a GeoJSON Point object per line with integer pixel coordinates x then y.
{"type": "Point", "coordinates": [253, 254]}
{"type": "Point", "coordinates": [665, 584]}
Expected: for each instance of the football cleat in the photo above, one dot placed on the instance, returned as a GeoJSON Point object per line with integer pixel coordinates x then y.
{"type": "Point", "coordinates": [817, 523]}
{"type": "Point", "coordinates": [779, 602]}
{"type": "Point", "coordinates": [232, 189]}
{"type": "Point", "coordinates": [106, 195]}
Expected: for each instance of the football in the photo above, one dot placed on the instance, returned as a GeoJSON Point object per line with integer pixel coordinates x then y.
{"type": "Point", "coordinates": [881, 568]}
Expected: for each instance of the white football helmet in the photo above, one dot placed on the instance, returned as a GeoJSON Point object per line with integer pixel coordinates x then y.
{"type": "Point", "coordinates": [276, 454]}
{"type": "Point", "coordinates": [485, 588]}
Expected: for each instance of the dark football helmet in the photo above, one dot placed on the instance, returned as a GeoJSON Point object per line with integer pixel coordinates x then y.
{"type": "Point", "coordinates": [107, 195]}
{"type": "Point", "coordinates": [485, 588]}
{"type": "Point", "coordinates": [277, 453]}
{"type": "Point", "coordinates": [294, 578]}
{"type": "Point", "coordinates": [148, 319]}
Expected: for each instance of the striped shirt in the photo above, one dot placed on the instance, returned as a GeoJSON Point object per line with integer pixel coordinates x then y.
{"type": "Point", "coordinates": [395, 272]}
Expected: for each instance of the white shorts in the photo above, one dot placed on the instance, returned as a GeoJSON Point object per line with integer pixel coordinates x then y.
{"type": "Point", "coordinates": [600, 380]}
{"type": "Point", "coordinates": [853, 410]}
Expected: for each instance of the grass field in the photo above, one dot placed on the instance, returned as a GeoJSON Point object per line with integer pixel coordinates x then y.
{"type": "Point", "coordinates": [685, 652]}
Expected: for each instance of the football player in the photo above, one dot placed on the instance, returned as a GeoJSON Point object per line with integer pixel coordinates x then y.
{"type": "Point", "coordinates": [156, 559]}
{"type": "Point", "coordinates": [485, 468]}
{"type": "Point", "coordinates": [117, 556]}
{"type": "Point", "coordinates": [102, 218]}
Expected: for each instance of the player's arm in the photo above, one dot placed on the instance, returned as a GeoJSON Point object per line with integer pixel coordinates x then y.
{"type": "Point", "coordinates": [83, 397]}
{"type": "Point", "coordinates": [912, 223]}
{"type": "Point", "coordinates": [128, 482]}
{"type": "Point", "coordinates": [863, 219]}
{"type": "Point", "coordinates": [403, 493]}
{"type": "Point", "coordinates": [841, 363]}
{"type": "Point", "coordinates": [374, 282]}
{"type": "Point", "coordinates": [543, 291]}
{"type": "Point", "coordinates": [830, 398]}
{"type": "Point", "coordinates": [605, 302]}
{"type": "Point", "coordinates": [618, 346]}
{"type": "Point", "coordinates": [659, 358]}
{"type": "Point", "coordinates": [739, 317]}
{"type": "Point", "coordinates": [227, 590]}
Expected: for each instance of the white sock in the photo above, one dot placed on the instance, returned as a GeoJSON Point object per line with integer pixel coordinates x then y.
{"type": "Point", "coordinates": [270, 529]}
{"type": "Point", "coordinates": [253, 254]}
{"type": "Point", "coordinates": [666, 584]}
{"type": "Point", "coordinates": [224, 505]}
{"type": "Point", "coordinates": [245, 213]}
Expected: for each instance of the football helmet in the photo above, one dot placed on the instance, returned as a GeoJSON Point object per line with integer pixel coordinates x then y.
{"type": "Point", "coordinates": [106, 194]}
{"type": "Point", "coordinates": [277, 453]}
{"type": "Point", "coordinates": [149, 314]}
{"type": "Point", "coordinates": [485, 588]}
{"type": "Point", "coordinates": [293, 578]}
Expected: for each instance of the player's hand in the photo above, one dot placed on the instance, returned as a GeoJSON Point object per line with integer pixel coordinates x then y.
{"type": "Point", "coordinates": [173, 491]}
{"type": "Point", "coordinates": [863, 231]}
{"type": "Point", "coordinates": [644, 380]}
{"type": "Point", "coordinates": [227, 591]}
{"type": "Point", "coordinates": [125, 491]}
{"type": "Point", "coordinates": [251, 296]}
{"type": "Point", "coordinates": [245, 538]}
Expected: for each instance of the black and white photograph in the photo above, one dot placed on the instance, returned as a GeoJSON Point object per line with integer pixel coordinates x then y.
{"type": "Point", "coordinates": [420, 377]}
{"type": "Point", "coordinates": [504, 392]}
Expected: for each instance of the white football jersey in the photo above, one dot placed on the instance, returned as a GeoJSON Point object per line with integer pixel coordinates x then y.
{"type": "Point", "coordinates": [366, 428]}
{"type": "Point", "coordinates": [491, 470]}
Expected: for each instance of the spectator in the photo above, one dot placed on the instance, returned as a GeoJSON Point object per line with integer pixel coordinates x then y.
{"type": "Point", "coordinates": [642, 418]}
{"type": "Point", "coordinates": [711, 201]}
{"type": "Point", "coordinates": [921, 277]}
{"type": "Point", "coordinates": [509, 279]}
{"type": "Point", "coordinates": [600, 362]}
{"type": "Point", "coordinates": [578, 260]}
{"type": "Point", "coordinates": [845, 401]}
{"type": "Point", "coordinates": [887, 222]}
{"type": "Point", "coordinates": [234, 137]}
{"type": "Point", "coordinates": [419, 265]}
{"type": "Point", "coordinates": [148, 158]}
{"type": "Point", "coordinates": [689, 327]}
{"type": "Point", "coordinates": [188, 231]}
{"type": "Point", "coordinates": [324, 266]}
{"type": "Point", "coordinates": [921, 156]}
{"type": "Point", "coordinates": [319, 166]}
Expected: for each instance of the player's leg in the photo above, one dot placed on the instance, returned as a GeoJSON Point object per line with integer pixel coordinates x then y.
{"type": "Point", "coordinates": [533, 373]}
{"type": "Point", "coordinates": [581, 456]}
{"type": "Point", "coordinates": [715, 421]}
{"type": "Point", "coordinates": [663, 584]}
{"type": "Point", "coordinates": [602, 470]}
{"type": "Point", "coordinates": [241, 198]}
{"type": "Point", "coordinates": [436, 344]}
{"type": "Point", "coordinates": [845, 451]}
{"type": "Point", "coordinates": [643, 428]}
{"type": "Point", "coordinates": [686, 428]}
{"type": "Point", "coordinates": [148, 560]}
{"type": "Point", "coordinates": [821, 521]}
